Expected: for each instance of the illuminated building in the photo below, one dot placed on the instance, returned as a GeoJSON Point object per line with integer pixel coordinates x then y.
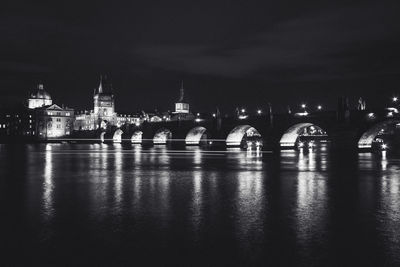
{"type": "Point", "coordinates": [103, 99]}
{"type": "Point", "coordinates": [40, 119]}
{"type": "Point", "coordinates": [39, 98]}
{"type": "Point", "coordinates": [54, 121]}
{"type": "Point", "coordinates": [103, 114]}
{"type": "Point", "coordinates": [182, 111]}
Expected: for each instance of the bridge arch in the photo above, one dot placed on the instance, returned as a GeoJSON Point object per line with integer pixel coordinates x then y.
{"type": "Point", "coordinates": [196, 135]}
{"type": "Point", "coordinates": [117, 137]}
{"type": "Point", "coordinates": [289, 138]}
{"type": "Point", "coordinates": [102, 135]}
{"type": "Point", "coordinates": [240, 133]}
{"type": "Point", "coordinates": [162, 136]}
{"type": "Point", "coordinates": [369, 136]}
{"type": "Point", "coordinates": [137, 137]}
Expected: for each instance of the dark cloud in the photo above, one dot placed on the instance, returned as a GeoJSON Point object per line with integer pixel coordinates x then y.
{"type": "Point", "coordinates": [330, 41]}
{"type": "Point", "coordinates": [249, 50]}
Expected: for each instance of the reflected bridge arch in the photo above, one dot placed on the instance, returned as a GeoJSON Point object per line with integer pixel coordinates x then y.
{"type": "Point", "coordinates": [367, 138]}
{"type": "Point", "coordinates": [196, 136]}
{"type": "Point", "coordinates": [162, 136]}
{"type": "Point", "coordinates": [241, 134]}
{"type": "Point", "coordinates": [290, 137]}
{"type": "Point", "coordinates": [117, 137]}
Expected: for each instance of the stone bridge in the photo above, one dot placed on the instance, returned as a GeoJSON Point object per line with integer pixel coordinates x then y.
{"type": "Point", "coordinates": [356, 129]}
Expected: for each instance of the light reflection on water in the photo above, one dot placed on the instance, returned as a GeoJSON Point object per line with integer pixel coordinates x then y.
{"type": "Point", "coordinates": [164, 200]}
{"type": "Point", "coordinates": [48, 185]}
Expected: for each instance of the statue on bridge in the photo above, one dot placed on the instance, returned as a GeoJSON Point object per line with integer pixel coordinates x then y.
{"type": "Point", "coordinates": [361, 104]}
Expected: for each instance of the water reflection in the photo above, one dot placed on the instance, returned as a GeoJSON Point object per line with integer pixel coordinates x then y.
{"type": "Point", "coordinates": [311, 208]}
{"type": "Point", "coordinates": [249, 159]}
{"type": "Point", "coordinates": [179, 202]}
{"type": "Point", "coordinates": [48, 185]}
{"type": "Point", "coordinates": [117, 175]}
{"type": "Point", "coordinates": [197, 200]}
{"type": "Point", "coordinates": [250, 204]}
{"type": "Point", "coordinates": [389, 215]}
{"type": "Point", "coordinates": [304, 160]}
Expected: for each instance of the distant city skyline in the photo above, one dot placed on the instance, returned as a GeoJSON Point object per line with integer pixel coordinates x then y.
{"type": "Point", "coordinates": [165, 100]}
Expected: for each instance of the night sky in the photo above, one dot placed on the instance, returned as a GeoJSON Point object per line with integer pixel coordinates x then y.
{"type": "Point", "coordinates": [229, 53]}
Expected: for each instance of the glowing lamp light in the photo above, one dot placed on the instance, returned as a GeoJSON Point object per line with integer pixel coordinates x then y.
{"type": "Point", "coordinates": [243, 110]}
{"type": "Point", "coordinates": [303, 106]}
{"type": "Point", "coordinates": [214, 115]}
{"type": "Point", "coordinates": [259, 111]}
{"type": "Point", "coordinates": [305, 113]}
{"type": "Point", "coordinates": [319, 107]}
{"type": "Point", "coordinates": [371, 115]}
{"type": "Point", "coordinates": [310, 145]}
{"type": "Point", "coordinates": [383, 146]}
{"type": "Point", "coordinates": [197, 120]}
{"type": "Point", "coordinates": [198, 114]}
{"type": "Point", "coordinates": [395, 98]}
{"type": "Point", "coordinates": [300, 145]}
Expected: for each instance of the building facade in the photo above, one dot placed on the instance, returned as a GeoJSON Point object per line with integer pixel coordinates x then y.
{"type": "Point", "coordinates": [51, 120]}
{"type": "Point", "coordinates": [17, 122]}
{"type": "Point", "coordinates": [54, 121]}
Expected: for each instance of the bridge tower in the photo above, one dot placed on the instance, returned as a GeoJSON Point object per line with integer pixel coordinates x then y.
{"type": "Point", "coordinates": [103, 98]}
{"type": "Point", "coordinates": [182, 111]}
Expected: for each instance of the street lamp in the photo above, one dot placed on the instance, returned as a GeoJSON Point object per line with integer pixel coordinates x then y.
{"type": "Point", "coordinates": [395, 98]}
{"type": "Point", "coordinates": [319, 107]}
{"type": "Point", "coordinates": [243, 110]}
{"type": "Point", "coordinates": [303, 106]}
{"type": "Point", "coordinates": [259, 111]}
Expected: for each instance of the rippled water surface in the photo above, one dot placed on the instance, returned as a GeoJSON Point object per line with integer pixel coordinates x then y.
{"type": "Point", "coordinates": [112, 204]}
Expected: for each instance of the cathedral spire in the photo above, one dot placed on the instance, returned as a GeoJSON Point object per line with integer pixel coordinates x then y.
{"type": "Point", "coordinates": [105, 86]}
{"type": "Point", "coordinates": [182, 92]}
{"type": "Point", "coordinates": [101, 85]}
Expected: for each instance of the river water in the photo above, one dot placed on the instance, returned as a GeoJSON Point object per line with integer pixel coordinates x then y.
{"type": "Point", "coordinates": [98, 204]}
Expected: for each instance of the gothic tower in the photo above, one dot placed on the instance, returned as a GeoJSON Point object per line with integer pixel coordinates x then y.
{"type": "Point", "coordinates": [103, 98]}
{"type": "Point", "coordinates": [181, 106]}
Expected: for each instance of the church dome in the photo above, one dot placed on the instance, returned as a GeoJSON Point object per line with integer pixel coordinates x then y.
{"type": "Point", "coordinates": [41, 93]}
